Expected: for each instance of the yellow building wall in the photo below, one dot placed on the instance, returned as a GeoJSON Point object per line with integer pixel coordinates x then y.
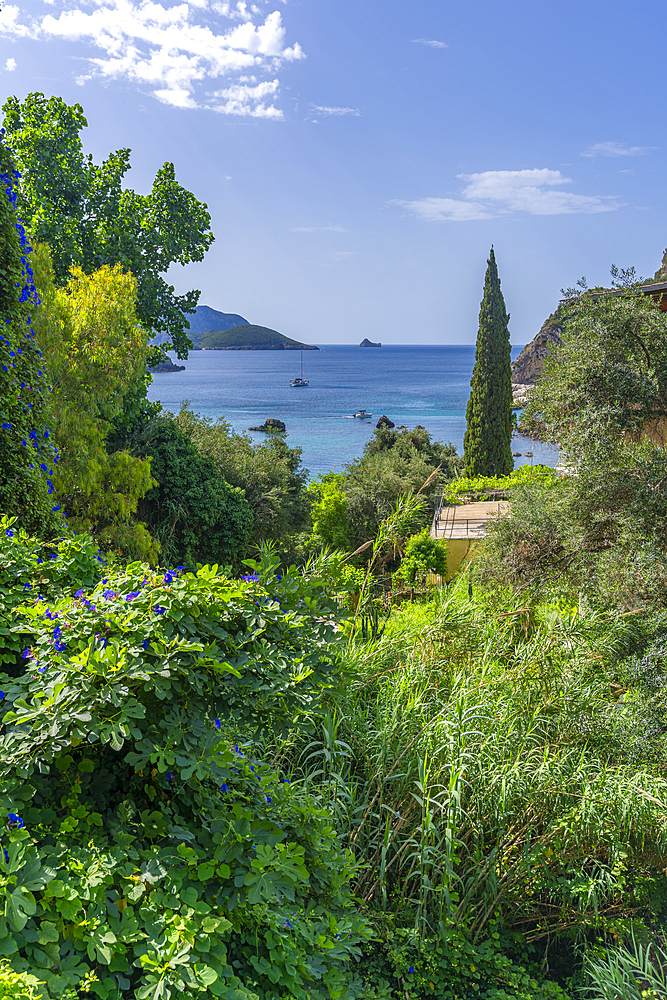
{"type": "Point", "coordinates": [459, 552]}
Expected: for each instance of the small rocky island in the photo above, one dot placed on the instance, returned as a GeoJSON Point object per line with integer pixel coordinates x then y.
{"type": "Point", "coordinates": [167, 366]}
{"type": "Point", "coordinates": [369, 343]}
{"type": "Point", "coordinates": [271, 425]}
{"type": "Point", "coordinates": [384, 421]}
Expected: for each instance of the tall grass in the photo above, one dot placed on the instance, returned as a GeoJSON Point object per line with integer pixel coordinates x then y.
{"type": "Point", "coordinates": [478, 766]}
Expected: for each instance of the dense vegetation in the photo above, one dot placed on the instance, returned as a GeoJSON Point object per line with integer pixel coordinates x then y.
{"type": "Point", "coordinates": [292, 767]}
{"type": "Point", "coordinates": [249, 337]}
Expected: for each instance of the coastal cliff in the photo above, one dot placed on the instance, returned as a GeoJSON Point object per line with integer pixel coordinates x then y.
{"type": "Point", "coordinates": [527, 368]}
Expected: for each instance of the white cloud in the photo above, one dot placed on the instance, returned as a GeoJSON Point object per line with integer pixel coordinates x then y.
{"type": "Point", "coordinates": [492, 193]}
{"type": "Point", "coordinates": [10, 65]}
{"type": "Point", "coordinates": [243, 99]}
{"type": "Point", "coordinates": [445, 210]}
{"type": "Point", "coordinates": [616, 149]}
{"type": "Point", "coordinates": [317, 229]}
{"type": "Point", "coordinates": [324, 110]}
{"type": "Point", "coordinates": [170, 48]}
{"type": "Point", "coordinates": [433, 43]}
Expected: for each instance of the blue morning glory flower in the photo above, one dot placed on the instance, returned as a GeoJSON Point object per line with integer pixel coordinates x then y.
{"type": "Point", "coordinates": [79, 593]}
{"type": "Point", "coordinates": [25, 655]}
{"type": "Point", "coordinates": [15, 820]}
{"type": "Point", "coordinates": [145, 644]}
{"type": "Point", "coordinates": [42, 670]}
{"type": "Point", "coordinates": [411, 970]}
{"type": "Point", "coordinates": [223, 787]}
{"type": "Point", "coordinates": [268, 799]}
{"type": "Point", "coordinates": [6, 853]}
{"type": "Point", "coordinates": [2, 695]}
{"type": "Point", "coordinates": [216, 723]}
{"type": "Point", "coordinates": [158, 610]}
{"type": "Point", "coordinates": [9, 532]}
{"type": "Point", "coordinates": [169, 775]}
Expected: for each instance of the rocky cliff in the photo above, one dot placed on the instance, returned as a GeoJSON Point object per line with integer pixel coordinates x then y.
{"type": "Point", "coordinates": [527, 368]}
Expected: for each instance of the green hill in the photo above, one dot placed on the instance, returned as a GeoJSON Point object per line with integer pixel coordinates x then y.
{"type": "Point", "coordinates": [250, 338]}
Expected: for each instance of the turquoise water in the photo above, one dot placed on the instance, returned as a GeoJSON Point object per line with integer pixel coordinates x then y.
{"type": "Point", "coordinates": [427, 385]}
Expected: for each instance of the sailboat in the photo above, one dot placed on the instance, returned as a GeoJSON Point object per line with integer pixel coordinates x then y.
{"type": "Point", "coordinates": [300, 380]}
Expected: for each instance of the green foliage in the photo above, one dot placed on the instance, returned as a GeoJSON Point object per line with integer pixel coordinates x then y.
{"type": "Point", "coordinates": [269, 473]}
{"type": "Point", "coordinates": [142, 841]}
{"type": "Point", "coordinates": [195, 515]}
{"type": "Point", "coordinates": [457, 969]}
{"type": "Point", "coordinates": [629, 972]}
{"type": "Point", "coordinates": [485, 766]}
{"type": "Point", "coordinates": [478, 488]}
{"type": "Point", "coordinates": [328, 511]}
{"type": "Point", "coordinates": [89, 220]}
{"type": "Point", "coordinates": [32, 566]}
{"type": "Point", "coordinates": [248, 337]}
{"type": "Point", "coordinates": [607, 381]}
{"type": "Point", "coordinates": [26, 448]}
{"type": "Point", "coordinates": [394, 463]}
{"type": "Point", "coordinates": [600, 532]}
{"type": "Point", "coordinates": [422, 555]}
{"type": "Point", "coordinates": [487, 442]}
{"type": "Point", "coordinates": [95, 352]}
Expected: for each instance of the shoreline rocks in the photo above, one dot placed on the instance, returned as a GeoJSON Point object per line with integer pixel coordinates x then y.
{"type": "Point", "coordinates": [271, 425]}
{"type": "Point", "coordinates": [384, 421]}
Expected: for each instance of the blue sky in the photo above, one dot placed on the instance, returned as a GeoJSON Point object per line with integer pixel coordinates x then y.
{"type": "Point", "coordinates": [359, 158]}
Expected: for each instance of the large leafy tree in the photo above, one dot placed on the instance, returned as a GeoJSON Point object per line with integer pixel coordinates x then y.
{"type": "Point", "coordinates": [88, 219]}
{"type": "Point", "coordinates": [94, 352]}
{"type": "Point", "coordinates": [27, 458]}
{"type": "Point", "coordinates": [607, 381]}
{"type": "Point", "coordinates": [487, 443]}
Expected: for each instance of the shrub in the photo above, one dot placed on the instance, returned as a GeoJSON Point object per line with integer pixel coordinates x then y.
{"type": "Point", "coordinates": [195, 515]}
{"type": "Point", "coordinates": [141, 838]}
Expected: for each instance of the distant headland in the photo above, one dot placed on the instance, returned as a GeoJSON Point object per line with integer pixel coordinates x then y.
{"type": "Point", "coordinates": [250, 338]}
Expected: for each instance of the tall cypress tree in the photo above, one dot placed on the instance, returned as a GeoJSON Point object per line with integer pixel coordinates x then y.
{"type": "Point", "coordinates": [487, 444]}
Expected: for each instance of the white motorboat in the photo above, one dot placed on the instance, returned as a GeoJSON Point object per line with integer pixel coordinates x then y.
{"type": "Point", "coordinates": [362, 414]}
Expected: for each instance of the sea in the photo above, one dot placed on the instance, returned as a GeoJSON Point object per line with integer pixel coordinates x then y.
{"type": "Point", "coordinates": [411, 384]}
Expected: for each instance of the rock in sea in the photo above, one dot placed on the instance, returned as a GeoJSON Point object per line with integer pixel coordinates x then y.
{"type": "Point", "coordinates": [271, 424]}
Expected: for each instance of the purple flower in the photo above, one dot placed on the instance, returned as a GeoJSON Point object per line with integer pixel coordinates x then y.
{"type": "Point", "coordinates": [158, 610]}
{"type": "Point", "coordinates": [41, 670]}
{"type": "Point", "coordinates": [79, 593]}
{"type": "Point", "coordinates": [131, 596]}
{"type": "Point", "coordinates": [251, 578]}
{"type": "Point", "coordinates": [26, 654]}
{"type": "Point", "coordinates": [109, 595]}
{"type": "Point", "coordinates": [216, 723]}
{"type": "Point", "coordinates": [15, 821]}
{"type": "Point", "coordinates": [9, 533]}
